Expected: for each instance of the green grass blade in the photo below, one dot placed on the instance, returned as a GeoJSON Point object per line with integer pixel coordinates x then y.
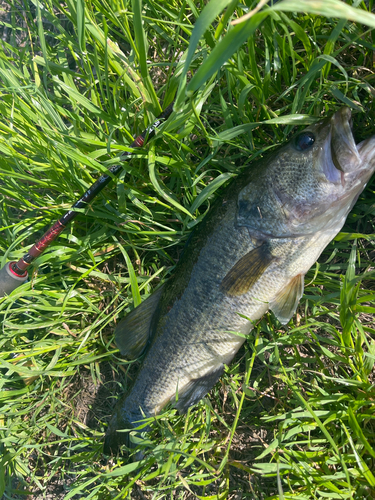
{"type": "Point", "coordinates": [41, 34]}
{"type": "Point", "coordinates": [81, 24]}
{"type": "Point", "coordinates": [133, 278]}
{"type": "Point", "coordinates": [140, 41]}
{"type": "Point", "coordinates": [328, 8]}
{"type": "Point", "coordinates": [157, 185]}
{"type": "Point", "coordinates": [207, 16]}
{"type": "Point", "coordinates": [224, 50]}
{"type": "Point", "coordinates": [140, 37]}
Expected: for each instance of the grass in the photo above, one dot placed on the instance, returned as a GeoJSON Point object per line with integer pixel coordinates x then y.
{"type": "Point", "coordinates": [294, 415]}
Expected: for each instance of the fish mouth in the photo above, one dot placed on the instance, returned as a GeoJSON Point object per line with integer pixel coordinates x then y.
{"type": "Point", "coordinates": [347, 157]}
{"type": "Point", "coordinates": [344, 152]}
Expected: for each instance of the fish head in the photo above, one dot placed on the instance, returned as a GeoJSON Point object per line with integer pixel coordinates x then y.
{"type": "Point", "coordinates": [311, 183]}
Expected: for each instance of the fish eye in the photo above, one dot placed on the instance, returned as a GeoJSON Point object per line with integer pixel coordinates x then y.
{"type": "Point", "coordinates": [304, 141]}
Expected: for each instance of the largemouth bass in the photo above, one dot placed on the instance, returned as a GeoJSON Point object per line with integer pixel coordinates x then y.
{"type": "Point", "coordinates": [250, 254]}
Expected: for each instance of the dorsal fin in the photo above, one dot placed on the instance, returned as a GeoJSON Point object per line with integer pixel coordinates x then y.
{"type": "Point", "coordinates": [133, 332]}
{"type": "Point", "coordinates": [247, 271]}
{"type": "Point", "coordinates": [285, 303]}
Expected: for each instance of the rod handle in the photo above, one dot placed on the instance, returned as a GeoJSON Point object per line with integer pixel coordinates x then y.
{"type": "Point", "coordinates": [9, 280]}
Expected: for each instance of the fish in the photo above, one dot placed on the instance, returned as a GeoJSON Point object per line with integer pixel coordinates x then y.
{"type": "Point", "coordinates": [249, 255]}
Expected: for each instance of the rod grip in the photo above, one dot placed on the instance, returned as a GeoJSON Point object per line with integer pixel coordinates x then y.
{"type": "Point", "coordinates": [9, 281]}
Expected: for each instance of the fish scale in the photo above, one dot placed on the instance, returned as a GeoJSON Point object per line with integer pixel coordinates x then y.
{"type": "Point", "coordinates": [249, 254]}
{"type": "Point", "coordinates": [201, 308]}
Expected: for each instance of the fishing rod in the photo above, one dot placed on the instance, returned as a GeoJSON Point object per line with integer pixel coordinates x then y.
{"type": "Point", "coordinates": [13, 274]}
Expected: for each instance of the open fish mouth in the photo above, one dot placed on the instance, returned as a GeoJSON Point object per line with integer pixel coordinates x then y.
{"type": "Point", "coordinates": [347, 156]}
{"type": "Point", "coordinates": [343, 147]}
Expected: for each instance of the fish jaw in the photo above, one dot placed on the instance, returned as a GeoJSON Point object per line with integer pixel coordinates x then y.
{"type": "Point", "coordinates": [344, 164]}
{"type": "Point", "coordinates": [366, 151]}
{"type": "Point", "coordinates": [353, 160]}
{"type": "Point", "coordinates": [356, 162]}
{"type": "Point", "coordinates": [343, 147]}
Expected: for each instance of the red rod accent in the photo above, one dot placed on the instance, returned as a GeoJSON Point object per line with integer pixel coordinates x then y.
{"type": "Point", "coordinates": [39, 247]}
{"type": "Point", "coordinates": [22, 275]}
{"type": "Point", "coordinates": [138, 142]}
{"type": "Point", "coordinates": [46, 239]}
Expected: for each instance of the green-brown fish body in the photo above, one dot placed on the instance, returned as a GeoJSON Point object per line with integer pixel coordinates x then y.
{"type": "Point", "coordinates": [250, 254]}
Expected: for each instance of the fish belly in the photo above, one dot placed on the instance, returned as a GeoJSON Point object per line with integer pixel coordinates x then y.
{"type": "Point", "coordinates": [199, 333]}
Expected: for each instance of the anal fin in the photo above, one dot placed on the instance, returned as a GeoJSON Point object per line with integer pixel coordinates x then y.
{"type": "Point", "coordinates": [247, 271]}
{"type": "Point", "coordinates": [197, 388]}
{"type": "Point", "coordinates": [285, 303]}
{"type": "Point", "coordinates": [133, 332]}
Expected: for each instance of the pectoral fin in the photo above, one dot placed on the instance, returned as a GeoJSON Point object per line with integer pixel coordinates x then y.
{"type": "Point", "coordinates": [284, 305]}
{"type": "Point", "coordinates": [247, 271]}
{"type": "Point", "coordinates": [133, 332]}
{"type": "Point", "coordinates": [197, 388]}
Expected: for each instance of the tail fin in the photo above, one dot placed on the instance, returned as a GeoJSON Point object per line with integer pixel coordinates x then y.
{"type": "Point", "coordinates": [118, 434]}
{"type": "Point", "coordinates": [113, 439]}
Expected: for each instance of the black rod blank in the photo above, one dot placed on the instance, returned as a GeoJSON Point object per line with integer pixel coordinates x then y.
{"type": "Point", "coordinates": [18, 269]}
